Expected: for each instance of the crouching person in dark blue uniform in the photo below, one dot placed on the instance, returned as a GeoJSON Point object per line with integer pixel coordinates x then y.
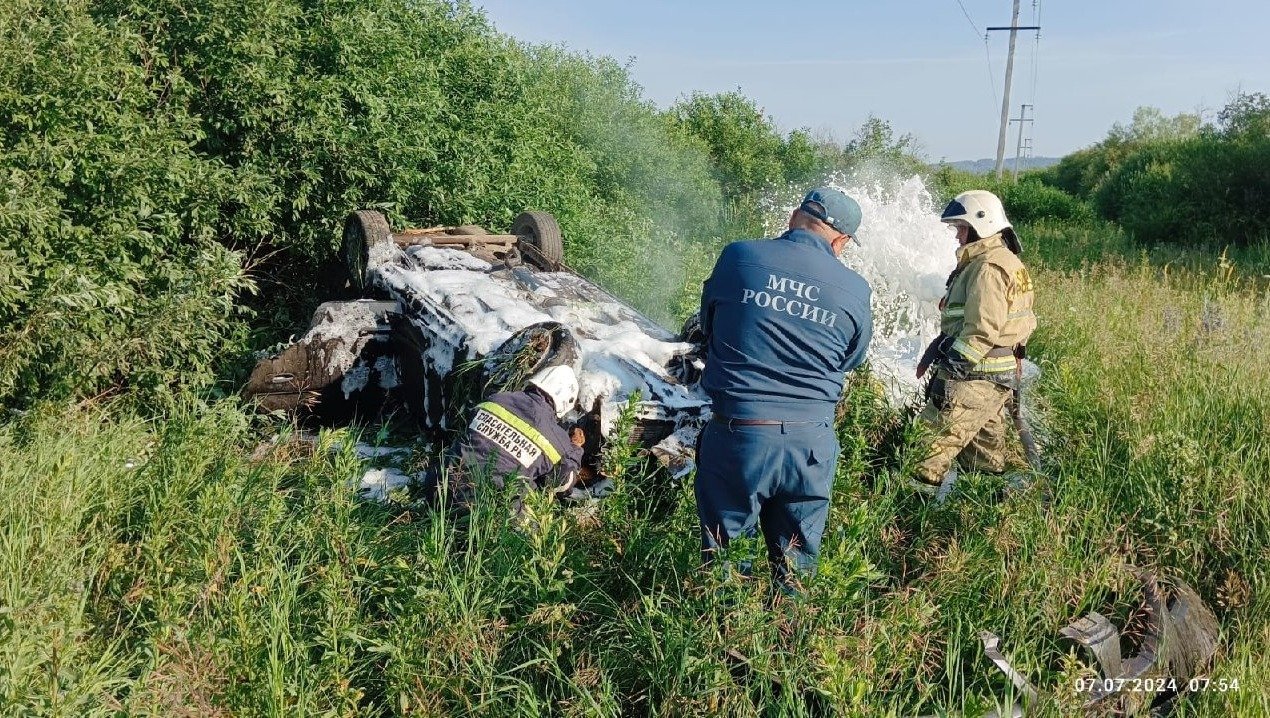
{"type": "Point", "coordinates": [518, 433]}
{"type": "Point", "coordinates": [784, 320]}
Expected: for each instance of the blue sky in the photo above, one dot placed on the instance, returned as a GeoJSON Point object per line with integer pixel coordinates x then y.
{"type": "Point", "coordinates": [919, 64]}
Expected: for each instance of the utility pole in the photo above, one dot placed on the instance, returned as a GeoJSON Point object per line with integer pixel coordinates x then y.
{"type": "Point", "coordinates": [1009, 75]}
{"type": "Point", "coordinates": [1018, 150]}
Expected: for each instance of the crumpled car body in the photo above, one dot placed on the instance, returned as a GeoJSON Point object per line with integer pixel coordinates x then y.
{"type": "Point", "coordinates": [450, 314]}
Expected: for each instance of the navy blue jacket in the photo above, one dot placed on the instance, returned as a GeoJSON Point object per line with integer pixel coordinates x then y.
{"type": "Point", "coordinates": [784, 320]}
{"type": "Point", "coordinates": [490, 437]}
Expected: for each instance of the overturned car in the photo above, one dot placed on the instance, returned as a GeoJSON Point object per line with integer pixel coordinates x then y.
{"type": "Point", "coordinates": [451, 314]}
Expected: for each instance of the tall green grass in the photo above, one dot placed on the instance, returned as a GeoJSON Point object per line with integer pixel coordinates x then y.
{"type": "Point", "coordinates": [214, 564]}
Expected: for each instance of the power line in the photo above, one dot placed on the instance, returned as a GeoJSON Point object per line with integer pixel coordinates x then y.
{"type": "Point", "coordinates": [987, 52]}
{"type": "Point", "coordinates": [992, 79]}
{"type": "Point", "coordinates": [1014, 28]}
{"type": "Point", "coordinates": [972, 22]}
{"type": "Point", "coordinates": [1036, 46]}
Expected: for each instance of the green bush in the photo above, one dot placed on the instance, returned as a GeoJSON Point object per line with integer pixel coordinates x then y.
{"type": "Point", "coordinates": [159, 159]}
{"type": "Point", "coordinates": [111, 272]}
{"type": "Point", "coordinates": [1030, 201]}
{"type": "Point", "coordinates": [1175, 181]}
{"type": "Point", "coordinates": [1026, 201]}
{"type": "Point", "coordinates": [745, 143]}
{"type": "Point", "coordinates": [1082, 172]}
{"type": "Point", "coordinates": [1205, 190]}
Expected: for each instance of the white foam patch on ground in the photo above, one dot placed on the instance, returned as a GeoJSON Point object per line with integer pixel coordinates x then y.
{"type": "Point", "coordinates": [366, 451]}
{"type": "Point", "coordinates": [377, 484]}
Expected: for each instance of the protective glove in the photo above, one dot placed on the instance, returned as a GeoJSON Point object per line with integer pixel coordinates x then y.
{"type": "Point", "coordinates": [954, 361]}
{"type": "Point", "coordinates": [933, 352]}
{"type": "Point", "coordinates": [577, 437]}
{"type": "Point", "coordinates": [569, 482]}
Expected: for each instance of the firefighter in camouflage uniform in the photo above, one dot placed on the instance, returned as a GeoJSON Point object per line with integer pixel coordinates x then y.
{"type": "Point", "coordinates": [985, 321]}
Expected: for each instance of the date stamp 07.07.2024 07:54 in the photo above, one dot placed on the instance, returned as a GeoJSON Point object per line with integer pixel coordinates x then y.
{"type": "Point", "coordinates": [1156, 685]}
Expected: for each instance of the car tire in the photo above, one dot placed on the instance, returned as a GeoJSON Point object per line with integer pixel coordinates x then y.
{"type": "Point", "coordinates": [541, 230]}
{"type": "Point", "coordinates": [363, 229]}
{"type": "Point", "coordinates": [527, 352]}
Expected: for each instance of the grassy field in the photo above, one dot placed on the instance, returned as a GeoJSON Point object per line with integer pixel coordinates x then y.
{"type": "Point", "coordinates": [213, 564]}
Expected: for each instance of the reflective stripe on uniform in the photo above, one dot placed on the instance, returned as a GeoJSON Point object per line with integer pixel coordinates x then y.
{"type": "Point", "coordinates": [954, 311]}
{"type": "Point", "coordinates": [521, 428]}
{"type": "Point", "coordinates": [966, 351]}
{"type": "Point", "coordinates": [994, 365]}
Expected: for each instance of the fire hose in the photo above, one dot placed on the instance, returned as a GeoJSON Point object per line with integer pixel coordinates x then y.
{"type": "Point", "coordinates": [1030, 451]}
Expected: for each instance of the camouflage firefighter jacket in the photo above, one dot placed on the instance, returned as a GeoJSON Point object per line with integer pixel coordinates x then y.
{"type": "Point", "coordinates": [987, 309]}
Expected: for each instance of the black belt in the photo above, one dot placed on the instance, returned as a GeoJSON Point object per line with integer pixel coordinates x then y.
{"type": "Point", "coordinates": [757, 422]}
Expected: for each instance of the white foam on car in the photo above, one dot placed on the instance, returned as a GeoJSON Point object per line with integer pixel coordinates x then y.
{"type": "Point", "coordinates": [905, 254]}
{"type": "Point", "coordinates": [342, 330]}
{"type": "Point", "coordinates": [340, 320]}
{"type": "Point", "coordinates": [620, 351]}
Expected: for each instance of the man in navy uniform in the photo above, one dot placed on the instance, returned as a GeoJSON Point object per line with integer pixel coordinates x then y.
{"type": "Point", "coordinates": [784, 319]}
{"type": "Point", "coordinates": [518, 433]}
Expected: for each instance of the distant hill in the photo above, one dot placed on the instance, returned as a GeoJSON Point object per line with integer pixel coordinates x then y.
{"type": "Point", "coordinates": [987, 165]}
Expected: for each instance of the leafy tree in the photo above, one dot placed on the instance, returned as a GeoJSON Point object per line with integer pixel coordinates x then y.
{"type": "Point", "coordinates": [112, 262]}
{"type": "Point", "coordinates": [875, 142]}
{"type": "Point", "coordinates": [1173, 180]}
{"type": "Point", "coordinates": [744, 144]}
{"type": "Point", "coordinates": [1150, 124]}
{"type": "Point", "coordinates": [1200, 191]}
{"type": "Point", "coordinates": [159, 160]}
{"type": "Point", "coordinates": [1246, 116]}
{"type": "Point", "coordinates": [1081, 172]}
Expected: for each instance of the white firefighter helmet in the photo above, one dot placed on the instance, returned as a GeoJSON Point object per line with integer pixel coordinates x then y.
{"type": "Point", "coordinates": [561, 384]}
{"type": "Point", "coordinates": [978, 208]}
{"type": "Point", "coordinates": [983, 211]}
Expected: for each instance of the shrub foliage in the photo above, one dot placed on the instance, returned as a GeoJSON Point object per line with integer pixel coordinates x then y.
{"type": "Point", "coordinates": [160, 161]}
{"type": "Point", "coordinates": [1175, 181]}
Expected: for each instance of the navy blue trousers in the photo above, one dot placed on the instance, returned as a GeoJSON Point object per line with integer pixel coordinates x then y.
{"type": "Point", "coordinates": [776, 479]}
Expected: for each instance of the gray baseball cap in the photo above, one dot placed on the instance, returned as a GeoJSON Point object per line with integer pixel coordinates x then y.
{"type": "Point", "coordinates": [834, 208]}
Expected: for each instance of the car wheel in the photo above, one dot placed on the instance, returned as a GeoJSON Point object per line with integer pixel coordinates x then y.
{"type": "Point", "coordinates": [541, 231]}
{"type": "Point", "coordinates": [528, 351]}
{"type": "Point", "coordinates": [363, 229]}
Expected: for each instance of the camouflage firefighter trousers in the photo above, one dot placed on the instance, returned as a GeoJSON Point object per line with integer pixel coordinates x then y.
{"type": "Point", "coordinates": [969, 422]}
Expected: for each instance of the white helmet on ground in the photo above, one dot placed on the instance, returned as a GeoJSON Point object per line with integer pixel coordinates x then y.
{"type": "Point", "coordinates": [561, 384]}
